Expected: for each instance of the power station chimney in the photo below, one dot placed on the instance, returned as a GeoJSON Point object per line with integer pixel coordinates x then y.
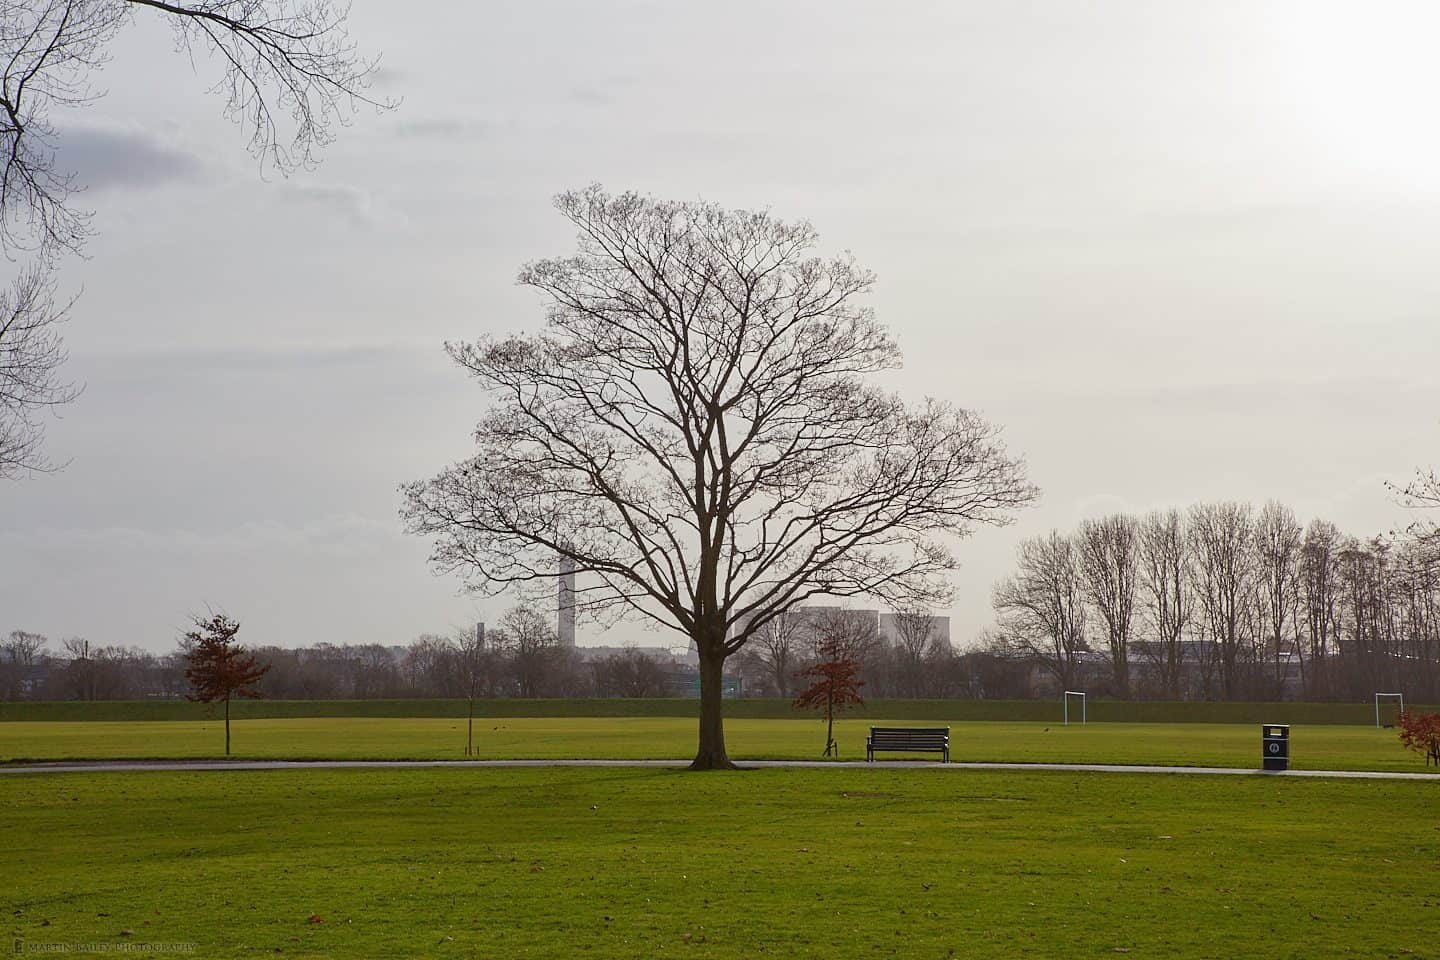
{"type": "Point", "coordinates": [565, 626]}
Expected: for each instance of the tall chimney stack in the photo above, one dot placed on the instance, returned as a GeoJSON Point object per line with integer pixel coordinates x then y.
{"type": "Point", "coordinates": [565, 626]}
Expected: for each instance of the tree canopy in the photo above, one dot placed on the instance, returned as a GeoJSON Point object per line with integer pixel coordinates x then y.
{"type": "Point", "coordinates": [697, 431]}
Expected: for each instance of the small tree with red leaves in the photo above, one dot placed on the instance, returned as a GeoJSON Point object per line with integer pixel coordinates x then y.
{"type": "Point", "coordinates": [219, 667]}
{"type": "Point", "coordinates": [833, 688]}
{"type": "Point", "coordinates": [1421, 732]}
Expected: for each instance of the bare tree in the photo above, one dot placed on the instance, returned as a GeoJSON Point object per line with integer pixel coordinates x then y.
{"type": "Point", "coordinates": [1222, 540]}
{"type": "Point", "coordinates": [779, 645]}
{"type": "Point", "coordinates": [630, 673]}
{"type": "Point", "coordinates": [854, 633]}
{"type": "Point", "coordinates": [695, 431]}
{"type": "Point", "coordinates": [1278, 543]}
{"type": "Point", "coordinates": [1109, 570]}
{"type": "Point", "coordinates": [80, 671]}
{"type": "Point", "coordinates": [1041, 609]}
{"type": "Point", "coordinates": [31, 353]}
{"type": "Point", "coordinates": [474, 666]}
{"type": "Point", "coordinates": [1165, 572]}
{"type": "Point", "coordinates": [18, 654]}
{"type": "Point", "coordinates": [529, 638]}
{"type": "Point", "coordinates": [916, 643]}
{"type": "Point", "coordinates": [1422, 493]}
{"type": "Point", "coordinates": [289, 76]}
{"type": "Point", "coordinates": [1320, 592]}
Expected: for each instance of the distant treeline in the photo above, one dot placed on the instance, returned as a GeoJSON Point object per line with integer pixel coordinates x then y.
{"type": "Point", "coordinates": [1225, 602]}
{"type": "Point", "coordinates": [433, 666]}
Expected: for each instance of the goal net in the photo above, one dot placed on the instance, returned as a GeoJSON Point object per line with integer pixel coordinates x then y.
{"type": "Point", "coordinates": [1075, 695]}
{"type": "Point", "coordinates": [1396, 707]}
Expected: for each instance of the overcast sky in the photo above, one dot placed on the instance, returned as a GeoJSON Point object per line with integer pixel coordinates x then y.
{"type": "Point", "coordinates": [1180, 251]}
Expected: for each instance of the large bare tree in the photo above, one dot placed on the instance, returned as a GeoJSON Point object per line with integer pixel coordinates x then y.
{"type": "Point", "coordinates": [31, 353]}
{"type": "Point", "coordinates": [1279, 539]}
{"type": "Point", "coordinates": [289, 76]}
{"type": "Point", "coordinates": [1319, 589]}
{"type": "Point", "coordinates": [1222, 537]}
{"type": "Point", "coordinates": [1167, 599]}
{"type": "Point", "coordinates": [696, 431]}
{"type": "Point", "coordinates": [1041, 609]}
{"type": "Point", "coordinates": [1109, 571]}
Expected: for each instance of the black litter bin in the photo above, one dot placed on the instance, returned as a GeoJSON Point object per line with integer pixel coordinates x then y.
{"type": "Point", "coordinates": [1275, 746]}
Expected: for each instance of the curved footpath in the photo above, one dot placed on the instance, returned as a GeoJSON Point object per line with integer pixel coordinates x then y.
{"type": "Point", "coordinates": [118, 766]}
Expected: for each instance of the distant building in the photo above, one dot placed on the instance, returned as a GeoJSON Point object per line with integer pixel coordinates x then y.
{"type": "Point", "coordinates": [939, 629]}
{"type": "Point", "coordinates": [663, 654]}
{"type": "Point", "coordinates": [686, 683]}
{"type": "Point", "coordinates": [883, 624]}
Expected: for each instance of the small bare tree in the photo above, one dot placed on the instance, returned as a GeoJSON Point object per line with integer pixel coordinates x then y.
{"type": "Point", "coordinates": [1109, 570]}
{"type": "Point", "coordinates": [834, 686]}
{"type": "Point", "coordinates": [529, 637]}
{"type": "Point", "coordinates": [219, 668]}
{"type": "Point", "coordinates": [696, 433]}
{"type": "Point", "coordinates": [916, 643]}
{"type": "Point", "coordinates": [1041, 609]}
{"type": "Point", "coordinates": [779, 645]}
{"type": "Point", "coordinates": [18, 654]}
{"type": "Point", "coordinates": [474, 663]}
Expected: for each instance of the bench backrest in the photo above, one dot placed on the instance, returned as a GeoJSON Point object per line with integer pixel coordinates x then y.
{"type": "Point", "coordinates": [910, 736]}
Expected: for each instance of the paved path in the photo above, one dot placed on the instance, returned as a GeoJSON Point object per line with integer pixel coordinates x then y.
{"type": "Point", "coordinates": [115, 766]}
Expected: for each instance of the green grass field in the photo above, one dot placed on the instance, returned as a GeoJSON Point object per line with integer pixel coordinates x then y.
{"type": "Point", "coordinates": [654, 863]}
{"type": "Point", "coordinates": [1042, 711]}
{"type": "Point", "coordinates": [1186, 744]}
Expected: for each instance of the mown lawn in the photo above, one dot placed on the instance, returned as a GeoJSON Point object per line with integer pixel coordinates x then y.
{"type": "Point", "coordinates": [787, 863]}
{"type": "Point", "coordinates": [1186, 744]}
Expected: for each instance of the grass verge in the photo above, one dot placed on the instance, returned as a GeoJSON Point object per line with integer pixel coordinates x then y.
{"type": "Point", "coordinates": [1182, 744]}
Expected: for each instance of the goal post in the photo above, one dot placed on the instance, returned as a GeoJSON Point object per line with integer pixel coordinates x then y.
{"type": "Point", "coordinates": [1068, 695]}
{"type": "Point", "coordinates": [1400, 697]}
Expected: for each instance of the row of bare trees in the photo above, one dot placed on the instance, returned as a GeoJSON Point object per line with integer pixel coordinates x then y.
{"type": "Point", "coordinates": [911, 660]}
{"type": "Point", "coordinates": [1225, 602]}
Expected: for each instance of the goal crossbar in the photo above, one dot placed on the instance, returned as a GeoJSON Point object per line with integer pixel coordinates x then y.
{"type": "Point", "coordinates": [1394, 696]}
{"type": "Point", "coordinates": [1083, 710]}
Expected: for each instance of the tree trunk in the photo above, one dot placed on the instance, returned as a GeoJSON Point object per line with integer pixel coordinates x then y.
{"type": "Point", "coordinates": [711, 754]}
{"type": "Point", "coordinates": [227, 726]}
{"type": "Point", "coordinates": [830, 726]}
{"type": "Point", "coordinates": [470, 730]}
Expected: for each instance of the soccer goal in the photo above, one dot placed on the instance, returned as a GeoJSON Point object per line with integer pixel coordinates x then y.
{"type": "Point", "coordinates": [1068, 695]}
{"type": "Point", "coordinates": [1388, 696]}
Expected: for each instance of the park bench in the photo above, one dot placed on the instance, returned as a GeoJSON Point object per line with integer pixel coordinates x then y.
{"type": "Point", "coordinates": [908, 739]}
